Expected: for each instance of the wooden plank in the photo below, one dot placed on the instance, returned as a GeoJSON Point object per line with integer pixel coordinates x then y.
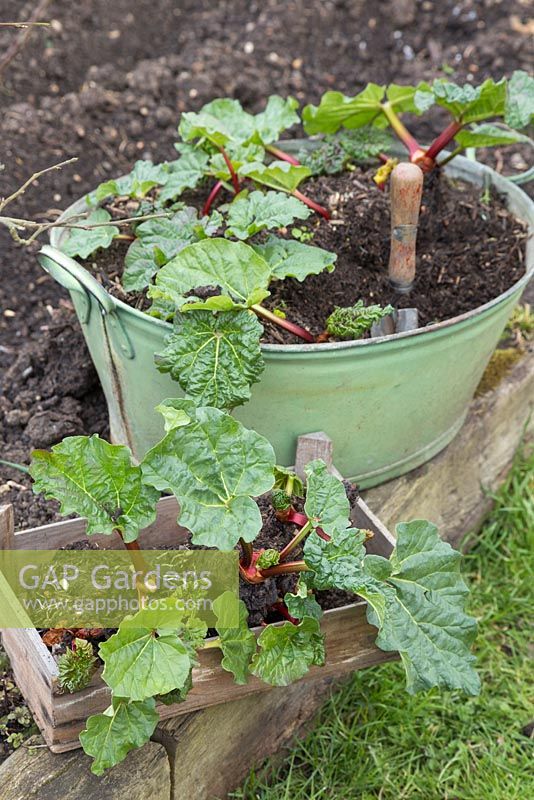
{"type": "Point", "coordinates": [349, 646]}
{"type": "Point", "coordinates": [311, 446]}
{"type": "Point", "coordinates": [33, 773]}
{"type": "Point", "coordinates": [7, 527]}
{"type": "Point", "coordinates": [60, 534]}
{"type": "Point", "coordinates": [383, 541]}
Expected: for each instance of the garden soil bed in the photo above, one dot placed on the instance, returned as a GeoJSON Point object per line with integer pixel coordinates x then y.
{"type": "Point", "coordinates": [470, 249]}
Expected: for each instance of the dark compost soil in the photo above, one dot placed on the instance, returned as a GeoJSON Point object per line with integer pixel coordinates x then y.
{"type": "Point", "coordinates": [469, 251]}
{"type": "Point", "coordinates": [106, 83]}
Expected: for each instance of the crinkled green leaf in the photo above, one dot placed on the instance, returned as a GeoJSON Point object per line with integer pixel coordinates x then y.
{"type": "Point", "coordinates": [234, 267]}
{"type": "Point", "coordinates": [97, 480]}
{"type": "Point", "coordinates": [279, 114]}
{"type": "Point", "coordinates": [470, 103]}
{"type": "Point", "coordinates": [291, 259]}
{"type": "Point", "coordinates": [488, 135]}
{"type": "Point", "coordinates": [238, 643]}
{"type": "Point", "coordinates": [268, 558]}
{"type": "Point", "coordinates": [423, 614]}
{"type": "Point", "coordinates": [239, 154]}
{"type": "Point", "coordinates": [214, 466]}
{"type": "Point", "coordinates": [302, 603]}
{"type": "Point", "coordinates": [327, 505]}
{"type": "Point", "coordinates": [177, 695]}
{"type": "Point", "coordinates": [84, 242]}
{"type": "Point", "coordinates": [184, 173]}
{"type": "Point", "coordinates": [402, 98]}
{"type": "Point", "coordinates": [352, 322]}
{"type": "Point", "coordinates": [335, 152]}
{"type": "Point", "coordinates": [110, 736]}
{"type": "Point", "coordinates": [146, 657]}
{"type": "Point", "coordinates": [144, 177]}
{"type": "Point", "coordinates": [336, 110]}
{"type": "Point", "coordinates": [519, 100]}
{"type": "Point", "coordinates": [281, 475]}
{"type": "Point", "coordinates": [251, 213]}
{"type": "Point", "coordinates": [219, 122]}
{"type": "Point", "coordinates": [277, 175]}
{"type": "Point", "coordinates": [159, 240]}
{"type": "Point", "coordinates": [288, 651]}
{"type": "Point", "coordinates": [173, 417]}
{"type": "Point", "coordinates": [337, 562]}
{"type": "Point", "coordinates": [214, 357]}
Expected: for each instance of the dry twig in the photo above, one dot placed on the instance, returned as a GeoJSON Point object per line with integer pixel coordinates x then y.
{"type": "Point", "coordinates": [25, 33]}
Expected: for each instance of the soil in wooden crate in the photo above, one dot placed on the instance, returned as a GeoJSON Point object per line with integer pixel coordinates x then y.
{"type": "Point", "coordinates": [259, 598]}
{"type": "Point", "coordinates": [470, 250]}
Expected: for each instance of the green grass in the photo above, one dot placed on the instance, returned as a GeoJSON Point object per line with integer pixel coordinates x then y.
{"type": "Point", "coordinates": [373, 741]}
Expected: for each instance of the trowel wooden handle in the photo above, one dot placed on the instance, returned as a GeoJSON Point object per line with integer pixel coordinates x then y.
{"type": "Point", "coordinates": [405, 196]}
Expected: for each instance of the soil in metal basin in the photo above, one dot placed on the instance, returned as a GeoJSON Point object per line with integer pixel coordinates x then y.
{"type": "Point", "coordinates": [470, 249]}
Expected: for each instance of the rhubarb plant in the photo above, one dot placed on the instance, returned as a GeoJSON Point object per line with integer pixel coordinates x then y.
{"type": "Point", "coordinates": [508, 103]}
{"type": "Point", "coordinates": [217, 469]}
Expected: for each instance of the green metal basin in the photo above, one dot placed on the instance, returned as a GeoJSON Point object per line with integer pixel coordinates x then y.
{"type": "Point", "coordinates": [389, 404]}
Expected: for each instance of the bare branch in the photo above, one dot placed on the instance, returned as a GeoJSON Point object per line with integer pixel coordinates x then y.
{"type": "Point", "coordinates": [24, 35]}
{"type": "Point", "coordinates": [36, 175]}
{"type": "Point", "coordinates": [24, 24]}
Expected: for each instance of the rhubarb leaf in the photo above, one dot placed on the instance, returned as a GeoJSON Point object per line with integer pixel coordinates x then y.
{"type": "Point", "coordinates": [277, 175]}
{"type": "Point", "coordinates": [336, 110]}
{"type": "Point", "coordinates": [122, 727]}
{"type": "Point", "coordinates": [84, 242]}
{"type": "Point", "coordinates": [146, 656]}
{"type": "Point", "coordinates": [144, 177]}
{"type": "Point", "coordinates": [234, 267]}
{"type": "Point", "coordinates": [336, 151]}
{"type": "Point", "coordinates": [219, 122]}
{"type": "Point", "coordinates": [327, 505]}
{"type": "Point", "coordinates": [288, 651]}
{"type": "Point", "coordinates": [421, 613]}
{"type": "Point", "coordinates": [468, 103]}
{"type": "Point", "coordinates": [291, 259]}
{"type": "Point", "coordinates": [214, 466]}
{"type": "Point", "coordinates": [94, 479]}
{"type": "Point", "coordinates": [159, 240]}
{"type": "Point", "coordinates": [214, 357]}
{"type": "Point", "coordinates": [184, 173]}
{"type": "Point", "coordinates": [238, 643]}
{"type": "Point", "coordinates": [239, 154]}
{"type": "Point", "coordinates": [279, 114]}
{"type": "Point", "coordinates": [303, 603]}
{"type": "Point", "coordinates": [251, 213]}
{"type": "Point", "coordinates": [281, 477]}
{"type": "Point", "coordinates": [488, 135]}
{"type": "Point", "coordinates": [402, 98]}
{"type": "Point", "coordinates": [337, 562]}
{"type": "Point", "coordinates": [519, 100]}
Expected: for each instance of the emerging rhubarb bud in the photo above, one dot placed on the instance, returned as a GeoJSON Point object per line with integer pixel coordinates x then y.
{"type": "Point", "coordinates": [268, 558]}
{"type": "Point", "coordinates": [405, 193]}
{"type": "Point", "coordinates": [281, 502]}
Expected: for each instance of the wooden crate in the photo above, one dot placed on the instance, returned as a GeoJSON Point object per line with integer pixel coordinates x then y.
{"type": "Point", "coordinates": [61, 717]}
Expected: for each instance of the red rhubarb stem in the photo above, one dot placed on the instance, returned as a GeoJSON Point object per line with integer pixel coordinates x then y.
{"type": "Point", "coordinates": [282, 609]}
{"type": "Point", "coordinates": [297, 518]}
{"type": "Point", "coordinates": [211, 197]}
{"type": "Point", "coordinates": [280, 154]}
{"type": "Point", "coordinates": [284, 569]}
{"type": "Point", "coordinates": [409, 141]}
{"type": "Point", "coordinates": [302, 333]}
{"type": "Point", "coordinates": [233, 173]}
{"type": "Point", "coordinates": [248, 552]}
{"type": "Point", "coordinates": [311, 204]}
{"type": "Point", "coordinates": [443, 140]}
